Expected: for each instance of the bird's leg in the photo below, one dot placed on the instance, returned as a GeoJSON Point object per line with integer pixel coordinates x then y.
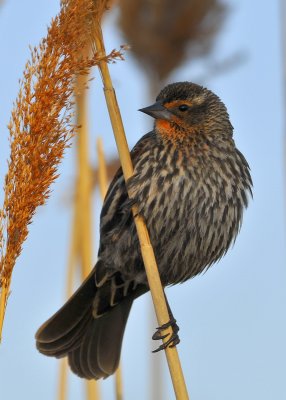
{"type": "Point", "coordinates": [174, 338]}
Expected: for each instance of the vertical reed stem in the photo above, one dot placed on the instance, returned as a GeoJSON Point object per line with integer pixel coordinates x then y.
{"type": "Point", "coordinates": [103, 185]}
{"type": "Point", "coordinates": [92, 390]}
{"type": "Point", "coordinates": [72, 259]}
{"type": "Point", "coordinates": [84, 196]}
{"type": "Point", "coordinates": [84, 191]}
{"type": "Point", "coordinates": [118, 384]}
{"type": "Point", "coordinates": [63, 374]}
{"type": "Point", "coordinates": [102, 170]}
{"type": "Point", "coordinates": [146, 247]}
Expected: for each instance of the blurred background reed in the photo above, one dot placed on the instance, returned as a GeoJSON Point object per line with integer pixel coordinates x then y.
{"type": "Point", "coordinates": [232, 319]}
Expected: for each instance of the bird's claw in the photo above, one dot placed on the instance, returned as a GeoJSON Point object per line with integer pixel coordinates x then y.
{"type": "Point", "coordinates": [174, 338]}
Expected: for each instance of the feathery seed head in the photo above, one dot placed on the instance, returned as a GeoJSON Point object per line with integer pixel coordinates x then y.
{"type": "Point", "coordinates": [41, 124]}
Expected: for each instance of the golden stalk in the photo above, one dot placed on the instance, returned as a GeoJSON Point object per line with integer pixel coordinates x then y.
{"type": "Point", "coordinates": [118, 384]}
{"type": "Point", "coordinates": [92, 390]}
{"type": "Point", "coordinates": [84, 191]}
{"type": "Point", "coordinates": [81, 242]}
{"type": "Point", "coordinates": [102, 169]}
{"type": "Point", "coordinates": [72, 259]}
{"type": "Point", "coordinates": [84, 195]}
{"type": "Point", "coordinates": [111, 169]}
{"type": "Point", "coordinates": [103, 185]}
{"type": "Point", "coordinates": [73, 253]}
{"type": "Point", "coordinates": [63, 374]}
{"type": "Point", "coordinates": [144, 239]}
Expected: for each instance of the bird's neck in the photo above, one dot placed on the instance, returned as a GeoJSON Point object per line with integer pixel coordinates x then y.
{"type": "Point", "coordinates": [170, 130]}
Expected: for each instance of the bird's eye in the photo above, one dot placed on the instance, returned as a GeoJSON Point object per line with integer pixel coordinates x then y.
{"type": "Point", "coordinates": [183, 107]}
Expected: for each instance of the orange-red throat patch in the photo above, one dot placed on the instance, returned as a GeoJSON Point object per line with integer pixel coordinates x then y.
{"type": "Point", "coordinates": [164, 125]}
{"type": "Point", "coordinates": [172, 129]}
{"type": "Point", "coordinates": [167, 129]}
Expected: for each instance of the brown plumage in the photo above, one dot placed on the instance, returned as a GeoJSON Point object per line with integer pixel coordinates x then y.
{"type": "Point", "coordinates": [191, 185]}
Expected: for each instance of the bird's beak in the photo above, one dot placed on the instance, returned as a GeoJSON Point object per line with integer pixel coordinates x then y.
{"type": "Point", "coordinates": [158, 111]}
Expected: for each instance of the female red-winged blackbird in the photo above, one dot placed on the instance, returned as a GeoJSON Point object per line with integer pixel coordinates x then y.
{"type": "Point", "coordinates": [191, 185]}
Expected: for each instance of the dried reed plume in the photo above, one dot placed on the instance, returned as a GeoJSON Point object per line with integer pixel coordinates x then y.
{"type": "Point", "coordinates": [41, 124]}
{"type": "Point", "coordinates": [163, 33]}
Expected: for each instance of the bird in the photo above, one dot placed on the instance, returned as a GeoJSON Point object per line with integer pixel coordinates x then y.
{"type": "Point", "coordinates": [191, 185]}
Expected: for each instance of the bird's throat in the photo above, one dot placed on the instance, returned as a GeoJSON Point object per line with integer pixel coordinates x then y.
{"type": "Point", "coordinates": [164, 127]}
{"type": "Point", "coordinates": [170, 130]}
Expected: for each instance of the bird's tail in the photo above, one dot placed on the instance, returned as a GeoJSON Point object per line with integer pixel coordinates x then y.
{"type": "Point", "coordinates": [93, 345]}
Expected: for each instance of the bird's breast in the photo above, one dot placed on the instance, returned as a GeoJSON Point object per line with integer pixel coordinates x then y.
{"type": "Point", "coordinates": [192, 215]}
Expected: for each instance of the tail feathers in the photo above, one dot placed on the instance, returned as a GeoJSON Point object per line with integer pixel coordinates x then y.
{"type": "Point", "coordinates": [69, 321]}
{"type": "Point", "coordinates": [93, 345]}
{"type": "Point", "coordinates": [68, 342]}
{"type": "Point", "coordinates": [98, 354]}
{"type": "Point", "coordinates": [91, 342]}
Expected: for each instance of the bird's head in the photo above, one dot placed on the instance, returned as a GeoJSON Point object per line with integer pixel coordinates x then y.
{"type": "Point", "coordinates": [184, 108]}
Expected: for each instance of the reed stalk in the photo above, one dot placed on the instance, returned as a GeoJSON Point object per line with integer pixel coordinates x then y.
{"type": "Point", "coordinates": [102, 169]}
{"type": "Point", "coordinates": [84, 195]}
{"type": "Point", "coordinates": [84, 192]}
{"type": "Point", "coordinates": [103, 185]}
{"type": "Point", "coordinates": [71, 268]}
{"type": "Point", "coordinates": [63, 381]}
{"type": "Point", "coordinates": [144, 239]}
{"type": "Point", "coordinates": [92, 390]}
{"type": "Point", "coordinates": [118, 384]}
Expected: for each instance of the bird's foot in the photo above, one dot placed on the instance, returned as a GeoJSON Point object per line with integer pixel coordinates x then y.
{"type": "Point", "coordinates": [173, 339]}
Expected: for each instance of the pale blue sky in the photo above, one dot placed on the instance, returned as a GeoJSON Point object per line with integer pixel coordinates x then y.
{"type": "Point", "coordinates": [232, 319]}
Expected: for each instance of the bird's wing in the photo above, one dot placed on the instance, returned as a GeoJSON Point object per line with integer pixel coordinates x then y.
{"type": "Point", "coordinates": [116, 210]}
{"type": "Point", "coordinates": [116, 217]}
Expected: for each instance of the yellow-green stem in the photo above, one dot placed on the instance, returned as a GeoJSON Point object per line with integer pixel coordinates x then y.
{"type": "Point", "coordinates": [102, 170]}
{"type": "Point", "coordinates": [63, 374]}
{"type": "Point", "coordinates": [144, 239]}
{"type": "Point", "coordinates": [103, 184]}
{"type": "Point", "coordinates": [84, 190]}
{"type": "Point", "coordinates": [92, 390]}
{"type": "Point", "coordinates": [71, 266]}
{"type": "Point", "coordinates": [118, 384]}
{"type": "Point", "coordinates": [84, 195]}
